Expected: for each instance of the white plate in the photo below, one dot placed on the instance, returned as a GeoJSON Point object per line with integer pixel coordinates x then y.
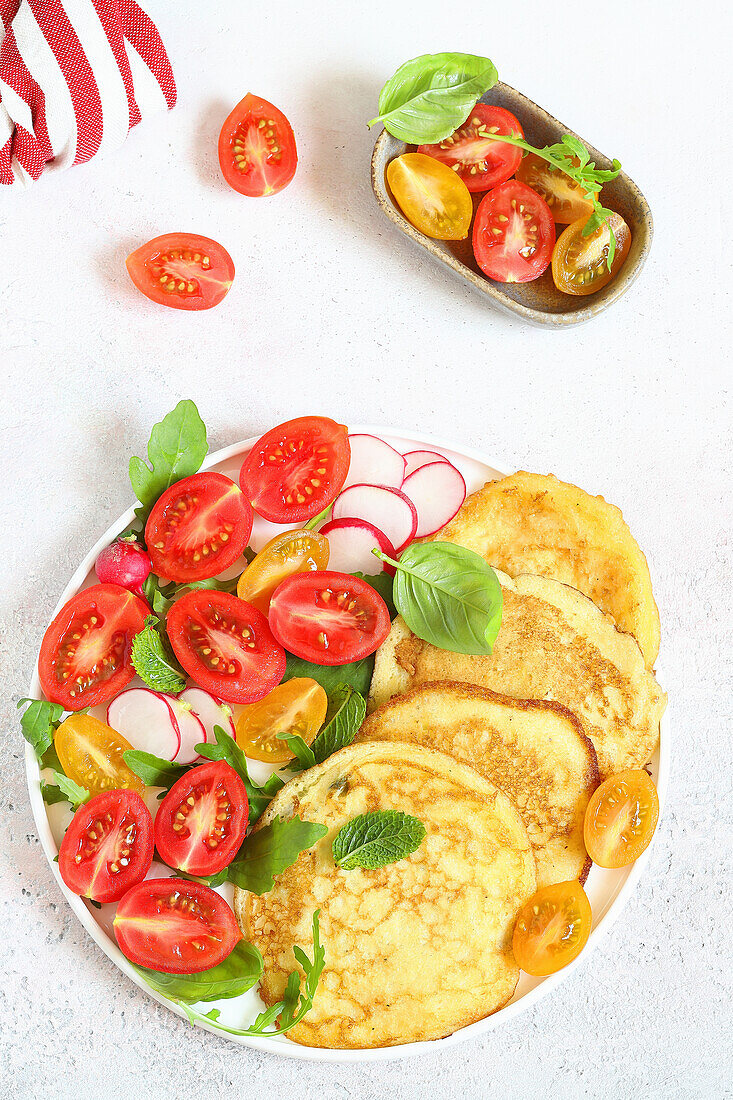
{"type": "Point", "coordinates": [608, 890]}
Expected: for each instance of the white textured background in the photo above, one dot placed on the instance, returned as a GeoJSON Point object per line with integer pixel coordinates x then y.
{"type": "Point", "coordinates": [333, 311]}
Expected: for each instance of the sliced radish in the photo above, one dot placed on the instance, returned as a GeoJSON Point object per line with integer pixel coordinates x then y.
{"type": "Point", "coordinates": [437, 491]}
{"type": "Point", "coordinates": [191, 729]}
{"type": "Point", "coordinates": [350, 545]}
{"type": "Point", "coordinates": [387, 509]}
{"type": "Point", "coordinates": [145, 718]}
{"type": "Point", "coordinates": [374, 462]}
{"type": "Point", "coordinates": [415, 459]}
{"type": "Point", "coordinates": [210, 712]}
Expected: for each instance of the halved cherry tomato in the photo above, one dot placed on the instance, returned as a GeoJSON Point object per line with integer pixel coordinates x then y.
{"type": "Point", "coordinates": [328, 618]}
{"type": "Point", "coordinates": [621, 818]}
{"type": "Point", "coordinates": [296, 469]}
{"type": "Point", "coordinates": [175, 926]}
{"type": "Point", "coordinates": [565, 198]}
{"type": "Point", "coordinates": [579, 263]}
{"type": "Point", "coordinates": [257, 148]}
{"type": "Point", "coordinates": [297, 706]}
{"type": "Point", "coordinates": [513, 233]}
{"type": "Point", "coordinates": [552, 928]}
{"type": "Point", "coordinates": [108, 847]}
{"type": "Point", "coordinates": [182, 270]}
{"type": "Point", "coordinates": [91, 754]}
{"type": "Point", "coordinates": [85, 653]}
{"type": "Point", "coordinates": [431, 196]}
{"type": "Point", "coordinates": [225, 645]}
{"type": "Point", "coordinates": [288, 553]}
{"type": "Point", "coordinates": [202, 820]}
{"type": "Point", "coordinates": [198, 527]}
{"type": "Point", "coordinates": [480, 161]}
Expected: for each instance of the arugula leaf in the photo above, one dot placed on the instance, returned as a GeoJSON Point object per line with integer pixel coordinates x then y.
{"type": "Point", "coordinates": [176, 449]}
{"type": "Point", "coordinates": [375, 839]}
{"type": "Point", "coordinates": [235, 975]}
{"type": "Point", "coordinates": [227, 749]}
{"type": "Point", "coordinates": [384, 585]}
{"type": "Point", "coordinates": [65, 790]}
{"type": "Point", "coordinates": [154, 771]}
{"type": "Point", "coordinates": [269, 850]}
{"type": "Point", "coordinates": [346, 710]}
{"type": "Point", "coordinates": [162, 597]}
{"type": "Point", "coordinates": [302, 751]}
{"type": "Point", "coordinates": [432, 95]}
{"type": "Point", "coordinates": [330, 677]}
{"type": "Point", "coordinates": [39, 722]}
{"type": "Point", "coordinates": [152, 663]}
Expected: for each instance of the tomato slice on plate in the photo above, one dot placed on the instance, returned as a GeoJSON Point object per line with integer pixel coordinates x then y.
{"type": "Point", "coordinates": [290, 552]}
{"type": "Point", "coordinates": [225, 645]}
{"type": "Point", "coordinates": [565, 198]}
{"type": "Point", "coordinates": [85, 653]}
{"type": "Point", "coordinates": [202, 820]}
{"type": "Point", "coordinates": [297, 706]}
{"type": "Point", "coordinates": [579, 264]}
{"type": "Point", "coordinates": [182, 270]}
{"type": "Point", "coordinates": [328, 618]}
{"type": "Point", "coordinates": [513, 233]}
{"type": "Point", "coordinates": [175, 926]}
{"type": "Point", "coordinates": [198, 527]}
{"type": "Point", "coordinates": [621, 818]}
{"type": "Point", "coordinates": [478, 159]}
{"type": "Point", "coordinates": [552, 928]}
{"type": "Point", "coordinates": [108, 847]}
{"type": "Point", "coordinates": [91, 753]}
{"type": "Point", "coordinates": [296, 469]}
{"type": "Point", "coordinates": [431, 196]}
{"type": "Point", "coordinates": [257, 150]}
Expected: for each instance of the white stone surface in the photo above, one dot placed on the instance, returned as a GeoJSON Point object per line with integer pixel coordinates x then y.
{"type": "Point", "coordinates": [332, 310]}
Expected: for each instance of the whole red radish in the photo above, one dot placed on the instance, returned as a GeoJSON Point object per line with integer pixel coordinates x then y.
{"type": "Point", "coordinates": [124, 562]}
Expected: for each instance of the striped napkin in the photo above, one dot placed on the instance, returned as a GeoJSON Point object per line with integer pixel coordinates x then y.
{"type": "Point", "coordinates": [75, 77]}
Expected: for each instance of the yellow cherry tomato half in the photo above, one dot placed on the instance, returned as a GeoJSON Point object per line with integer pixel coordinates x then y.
{"type": "Point", "coordinates": [565, 198]}
{"type": "Point", "coordinates": [288, 553]}
{"type": "Point", "coordinates": [552, 928]}
{"type": "Point", "coordinates": [579, 263]}
{"type": "Point", "coordinates": [297, 706]}
{"type": "Point", "coordinates": [621, 818]}
{"type": "Point", "coordinates": [431, 196]}
{"type": "Point", "coordinates": [91, 754]}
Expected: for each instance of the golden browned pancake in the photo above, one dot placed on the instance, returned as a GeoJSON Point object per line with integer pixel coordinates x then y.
{"type": "Point", "coordinates": [533, 523]}
{"type": "Point", "coordinates": [536, 753]}
{"type": "Point", "coordinates": [554, 643]}
{"type": "Point", "coordinates": [413, 950]}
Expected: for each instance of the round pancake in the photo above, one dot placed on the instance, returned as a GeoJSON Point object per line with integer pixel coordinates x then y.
{"type": "Point", "coordinates": [413, 950]}
{"type": "Point", "coordinates": [534, 523]}
{"type": "Point", "coordinates": [535, 752]}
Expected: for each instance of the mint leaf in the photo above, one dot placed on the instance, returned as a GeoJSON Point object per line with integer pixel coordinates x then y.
{"type": "Point", "coordinates": [154, 771]}
{"type": "Point", "coordinates": [230, 978]}
{"type": "Point", "coordinates": [226, 748]}
{"type": "Point", "coordinates": [330, 677]}
{"type": "Point", "coordinates": [302, 751]}
{"type": "Point", "coordinates": [346, 711]}
{"type": "Point", "coordinates": [39, 722]}
{"type": "Point", "coordinates": [375, 839]}
{"type": "Point", "coordinates": [269, 850]}
{"type": "Point", "coordinates": [64, 790]}
{"type": "Point", "coordinates": [176, 449]}
{"type": "Point", "coordinates": [152, 663]}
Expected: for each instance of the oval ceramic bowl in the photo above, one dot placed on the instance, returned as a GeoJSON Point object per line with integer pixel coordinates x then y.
{"type": "Point", "coordinates": [538, 302]}
{"type": "Point", "coordinates": [608, 890]}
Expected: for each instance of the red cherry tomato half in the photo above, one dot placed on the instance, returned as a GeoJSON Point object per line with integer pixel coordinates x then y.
{"type": "Point", "coordinates": [108, 847]}
{"type": "Point", "coordinates": [198, 527]}
{"type": "Point", "coordinates": [85, 653]}
{"type": "Point", "coordinates": [296, 469]}
{"type": "Point", "coordinates": [257, 150]}
{"type": "Point", "coordinates": [175, 926]}
{"type": "Point", "coordinates": [225, 645]}
{"type": "Point", "coordinates": [328, 618]}
{"type": "Point", "coordinates": [182, 270]}
{"type": "Point", "coordinates": [202, 820]}
{"type": "Point", "coordinates": [513, 233]}
{"type": "Point", "coordinates": [482, 162]}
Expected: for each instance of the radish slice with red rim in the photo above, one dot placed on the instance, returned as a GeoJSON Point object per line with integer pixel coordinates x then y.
{"type": "Point", "coordinates": [437, 491]}
{"type": "Point", "coordinates": [145, 718]}
{"type": "Point", "coordinates": [387, 509]}
{"type": "Point", "coordinates": [415, 459]}
{"type": "Point", "coordinates": [350, 545]}
{"type": "Point", "coordinates": [374, 462]}
{"type": "Point", "coordinates": [191, 729]}
{"type": "Point", "coordinates": [210, 711]}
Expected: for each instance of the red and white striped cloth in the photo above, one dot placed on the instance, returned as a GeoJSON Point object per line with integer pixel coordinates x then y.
{"type": "Point", "coordinates": [75, 77]}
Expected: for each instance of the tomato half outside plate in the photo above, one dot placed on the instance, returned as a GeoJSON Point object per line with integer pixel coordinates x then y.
{"type": "Point", "coordinates": [552, 928]}
{"type": "Point", "coordinates": [579, 264]}
{"type": "Point", "coordinates": [473, 152]}
{"type": "Point", "coordinates": [328, 618]}
{"type": "Point", "coordinates": [85, 653]}
{"type": "Point", "coordinates": [92, 754]}
{"type": "Point", "coordinates": [175, 926]}
{"type": "Point", "coordinates": [182, 270]}
{"type": "Point", "coordinates": [565, 198]}
{"type": "Point", "coordinates": [225, 645]}
{"type": "Point", "coordinates": [621, 818]}
{"type": "Point", "coordinates": [202, 820]}
{"type": "Point", "coordinates": [513, 234]}
{"type": "Point", "coordinates": [198, 527]}
{"type": "Point", "coordinates": [257, 151]}
{"type": "Point", "coordinates": [108, 847]}
{"type": "Point", "coordinates": [288, 553]}
{"type": "Point", "coordinates": [431, 196]}
{"type": "Point", "coordinates": [295, 470]}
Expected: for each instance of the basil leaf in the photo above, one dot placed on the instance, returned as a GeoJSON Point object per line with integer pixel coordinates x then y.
{"type": "Point", "coordinates": [384, 585]}
{"type": "Point", "coordinates": [376, 839]}
{"type": "Point", "coordinates": [302, 751]}
{"type": "Point", "coordinates": [346, 711]}
{"type": "Point", "coordinates": [227, 749]}
{"type": "Point", "coordinates": [154, 771]}
{"type": "Point", "coordinates": [432, 95]}
{"type": "Point", "coordinates": [64, 790]}
{"type": "Point", "coordinates": [176, 449]}
{"type": "Point", "coordinates": [448, 596]}
{"type": "Point", "coordinates": [330, 677]}
{"type": "Point", "coordinates": [235, 975]}
{"type": "Point", "coordinates": [268, 851]}
{"type": "Point", "coordinates": [39, 722]}
{"type": "Point", "coordinates": [152, 662]}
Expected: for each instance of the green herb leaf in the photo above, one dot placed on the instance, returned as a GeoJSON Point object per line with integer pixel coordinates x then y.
{"type": "Point", "coordinates": [176, 449]}
{"type": "Point", "coordinates": [64, 790]}
{"type": "Point", "coordinates": [269, 850]}
{"type": "Point", "coordinates": [384, 585]}
{"type": "Point", "coordinates": [154, 771]}
{"type": "Point", "coordinates": [448, 596]}
{"type": "Point", "coordinates": [226, 748]}
{"type": "Point", "coordinates": [330, 677]}
{"type": "Point", "coordinates": [301, 750]}
{"type": "Point", "coordinates": [432, 95]}
{"type": "Point", "coordinates": [162, 597]}
{"type": "Point", "coordinates": [376, 839]}
{"type": "Point", "coordinates": [152, 662]}
{"type": "Point", "coordinates": [232, 977]}
{"type": "Point", "coordinates": [39, 722]}
{"type": "Point", "coordinates": [346, 711]}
